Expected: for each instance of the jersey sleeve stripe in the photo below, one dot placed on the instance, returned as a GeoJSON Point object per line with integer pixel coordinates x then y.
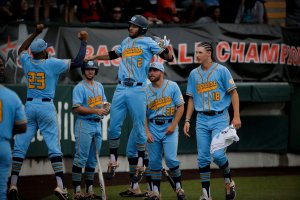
{"type": "Point", "coordinates": [19, 122]}
{"type": "Point", "coordinates": [232, 88]}
{"type": "Point", "coordinates": [189, 94]}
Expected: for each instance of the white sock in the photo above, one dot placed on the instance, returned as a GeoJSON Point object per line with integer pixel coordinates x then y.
{"type": "Point", "coordinates": [155, 189]}
{"type": "Point", "coordinates": [112, 158]}
{"type": "Point", "coordinates": [90, 189]}
{"type": "Point", "coordinates": [227, 180]}
{"type": "Point", "coordinates": [14, 180]}
{"type": "Point", "coordinates": [205, 192]}
{"type": "Point", "coordinates": [140, 162]}
{"type": "Point", "coordinates": [78, 189]}
{"type": "Point", "coordinates": [135, 186]}
{"type": "Point", "coordinates": [178, 186]}
{"type": "Point", "coordinates": [59, 182]}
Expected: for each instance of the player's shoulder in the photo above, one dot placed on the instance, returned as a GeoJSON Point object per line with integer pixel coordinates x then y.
{"type": "Point", "coordinates": [79, 85]}
{"type": "Point", "coordinates": [98, 83]}
{"type": "Point", "coordinates": [171, 83]}
{"type": "Point", "coordinates": [194, 71]}
{"type": "Point", "coordinates": [220, 67]}
{"type": "Point", "coordinates": [8, 93]}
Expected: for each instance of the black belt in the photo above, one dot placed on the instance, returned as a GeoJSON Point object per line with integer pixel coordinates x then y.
{"type": "Point", "coordinates": [160, 121]}
{"type": "Point", "coordinates": [43, 99]}
{"type": "Point", "coordinates": [94, 119]}
{"type": "Point", "coordinates": [130, 84]}
{"type": "Point", "coordinates": [211, 113]}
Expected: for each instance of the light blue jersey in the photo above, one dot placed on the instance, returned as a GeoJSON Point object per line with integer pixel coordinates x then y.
{"type": "Point", "coordinates": [211, 95]}
{"type": "Point", "coordinates": [11, 113]}
{"type": "Point", "coordinates": [136, 56]}
{"type": "Point", "coordinates": [211, 89]}
{"type": "Point", "coordinates": [88, 130]}
{"type": "Point", "coordinates": [42, 75]}
{"type": "Point", "coordinates": [162, 102]}
{"type": "Point", "coordinates": [89, 97]}
{"type": "Point", "coordinates": [162, 105]}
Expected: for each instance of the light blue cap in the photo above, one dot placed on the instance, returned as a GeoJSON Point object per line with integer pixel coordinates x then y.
{"type": "Point", "coordinates": [158, 66]}
{"type": "Point", "coordinates": [38, 45]}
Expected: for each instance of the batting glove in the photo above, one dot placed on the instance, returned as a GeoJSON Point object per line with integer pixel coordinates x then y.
{"type": "Point", "coordinates": [162, 43]}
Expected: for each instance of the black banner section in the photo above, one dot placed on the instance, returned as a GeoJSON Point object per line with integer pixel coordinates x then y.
{"type": "Point", "coordinates": [256, 53]}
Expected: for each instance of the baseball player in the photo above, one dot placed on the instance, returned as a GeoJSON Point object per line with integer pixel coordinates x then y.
{"type": "Point", "coordinates": [42, 74]}
{"type": "Point", "coordinates": [12, 121]}
{"type": "Point", "coordinates": [165, 106]}
{"type": "Point", "coordinates": [211, 90]}
{"type": "Point", "coordinates": [88, 103]}
{"type": "Point", "coordinates": [136, 52]}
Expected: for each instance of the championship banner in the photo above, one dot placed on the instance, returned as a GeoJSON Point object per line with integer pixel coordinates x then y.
{"type": "Point", "coordinates": [256, 53]}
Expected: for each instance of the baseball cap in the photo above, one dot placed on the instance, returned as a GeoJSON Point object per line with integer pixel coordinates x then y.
{"type": "Point", "coordinates": [38, 45]}
{"type": "Point", "coordinates": [158, 66]}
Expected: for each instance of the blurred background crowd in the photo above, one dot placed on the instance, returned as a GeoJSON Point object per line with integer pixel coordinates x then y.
{"type": "Point", "coordinates": [277, 12]}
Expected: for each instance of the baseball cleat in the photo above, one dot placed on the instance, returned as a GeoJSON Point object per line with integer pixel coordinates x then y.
{"type": "Point", "coordinates": [78, 196]}
{"type": "Point", "coordinates": [180, 194]}
{"type": "Point", "coordinates": [132, 193]}
{"type": "Point", "coordinates": [230, 190]}
{"type": "Point", "coordinates": [92, 196]}
{"type": "Point", "coordinates": [153, 196]}
{"type": "Point", "coordinates": [111, 170]}
{"type": "Point", "coordinates": [13, 193]}
{"type": "Point", "coordinates": [62, 194]}
{"type": "Point", "coordinates": [205, 198]}
{"type": "Point", "coordinates": [138, 176]}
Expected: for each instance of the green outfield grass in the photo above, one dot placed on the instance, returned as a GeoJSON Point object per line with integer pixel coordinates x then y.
{"type": "Point", "coordinates": [248, 188]}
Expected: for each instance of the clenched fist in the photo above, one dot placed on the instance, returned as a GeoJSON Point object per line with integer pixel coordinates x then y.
{"type": "Point", "coordinates": [39, 28]}
{"type": "Point", "coordinates": [83, 35]}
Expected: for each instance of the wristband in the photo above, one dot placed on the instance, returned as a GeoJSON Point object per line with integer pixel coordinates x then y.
{"type": "Point", "coordinates": [166, 51]}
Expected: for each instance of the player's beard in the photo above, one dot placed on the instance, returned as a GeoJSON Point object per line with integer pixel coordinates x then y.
{"type": "Point", "coordinates": [154, 79]}
{"type": "Point", "coordinates": [90, 78]}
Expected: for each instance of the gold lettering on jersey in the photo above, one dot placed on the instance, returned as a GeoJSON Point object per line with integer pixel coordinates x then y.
{"type": "Point", "coordinates": [95, 101]}
{"type": "Point", "coordinates": [159, 103]}
{"type": "Point", "coordinates": [134, 51]}
{"type": "Point", "coordinates": [205, 87]}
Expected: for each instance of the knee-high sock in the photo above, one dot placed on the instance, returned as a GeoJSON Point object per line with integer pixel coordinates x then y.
{"type": "Point", "coordinates": [176, 176]}
{"type": "Point", "coordinates": [57, 166]}
{"type": "Point", "coordinates": [205, 179]}
{"type": "Point", "coordinates": [226, 172]}
{"type": "Point", "coordinates": [148, 174]}
{"type": "Point", "coordinates": [15, 171]}
{"type": "Point", "coordinates": [76, 178]}
{"type": "Point", "coordinates": [156, 178]}
{"type": "Point", "coordinates": [132, 167]}
{"type": "Point", "coordinates": [89, 179]}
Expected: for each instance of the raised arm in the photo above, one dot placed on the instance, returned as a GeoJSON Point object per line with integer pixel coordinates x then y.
{"type": "Point", "coordinates": [25, 45]}
{"type": "Point", "coordinates": [79, 59]}
{"type": "Point", "coordinates": [106, 56]}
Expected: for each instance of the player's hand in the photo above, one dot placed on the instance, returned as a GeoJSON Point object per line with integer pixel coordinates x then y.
{"type": "Point", "coordinates": [150, 138]}
{"type": "Point", "coordinates": [186, 129]}
{"type": "Point", "coordinates": [170, 129]}
{"type": "Point", "coordinates": [162, 43]}
{"type": "Point", "coordinates": [106, 106]}
{"type": "Point", "coordinates": [39, 28]}
{"type": "Point", "coordinates": [101, 111]}
{"type": "Point", "coordinates": [236, 122]}
{"type": "Point", "coordinates": [83, 35]}
{"type": "Point", "coordinates": [88, 58]}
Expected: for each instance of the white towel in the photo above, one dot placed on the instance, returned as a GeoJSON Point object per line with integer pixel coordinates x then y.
{"type": "Point", "coordinates": [224, 139]}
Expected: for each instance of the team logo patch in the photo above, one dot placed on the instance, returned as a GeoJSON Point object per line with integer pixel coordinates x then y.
{"type": "Point", "coordinates": [231, 81]}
